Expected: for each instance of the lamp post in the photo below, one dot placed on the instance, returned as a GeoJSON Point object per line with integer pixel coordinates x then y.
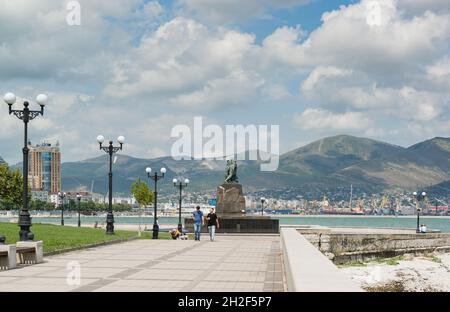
{"type": "Point", "coordinates": [110, 150]}
{"type": "Point", "coordinates": [155, 177]}
{"type": "Point", "coordinates": [180, 185]}
{"type": "Point", "coordinates": [419, 197]}
{"type": "Point", "coordinates": [62, 197]}
{"type": "Point", "coordinates": [79, 209]}
{"type": "Point", "coordinates": [263, 200]}
{"type": "Point", "coordinates": [26, 115]}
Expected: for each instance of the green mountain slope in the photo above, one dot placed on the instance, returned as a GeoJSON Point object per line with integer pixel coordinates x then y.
{"type": "Point", "coordinates": [328, 163]}
{"type": "Point", "coordinates": [423, 164]}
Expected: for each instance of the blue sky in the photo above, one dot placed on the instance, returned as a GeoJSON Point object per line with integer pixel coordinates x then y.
{"type": "Point", "coordinates": [370, 68]}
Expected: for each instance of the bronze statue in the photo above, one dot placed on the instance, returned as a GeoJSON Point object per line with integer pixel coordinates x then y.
{"type": "Point", "coordinates": [231, 172]}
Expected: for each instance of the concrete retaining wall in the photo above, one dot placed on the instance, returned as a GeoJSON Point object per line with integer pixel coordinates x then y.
{"type": "Point", "coordinates": [309, 270]}
{"type": "Point", "coordinates": [343, 247]}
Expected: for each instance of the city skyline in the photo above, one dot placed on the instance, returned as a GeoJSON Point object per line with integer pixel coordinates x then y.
{"type": "Point", "coordinates": [139, 68]}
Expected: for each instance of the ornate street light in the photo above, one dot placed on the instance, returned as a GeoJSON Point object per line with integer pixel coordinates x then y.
{"type": "Point", "coordinates": [62, 197]}
{"type": "Point", "coordinates": [180, 185]}
{"type": "Point", "coordinates": [263, 200]}
{"type": "Point", "coordinates": [26, 115]}
{"type": "Point", "coordinates": [110, 150]}
{"type": "Point", "coordinates": [419, 197]}
{"type": "Point", "coordinates": [79, 209]}
{"type": "Point", "coordinates": [155, 177]}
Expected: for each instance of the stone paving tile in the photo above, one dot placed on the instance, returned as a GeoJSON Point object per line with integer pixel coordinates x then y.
{"type": "Point", "coordinates": [160, 274]}
{"type": "Point", "coordinates": [193, 259]}
{"type": "Point", "coordinates": [236, 276]}
{"type": "Point", "coordinates": [36, 288]}
{"type": "Point", "coordinates": [230, 266]}
{"type": "Point", "coordinates": [49, 281]}
{"type": "Point", "coordinates": [144, 285]}
{"type": "Point", "coordinates": [232, 263]}
{"type": "Point", "coordinates": [180, 265]}
{"type": "Point", "coordinates": [26, 271]}
{"type": "Point", "coordinates": [86, 272]}
{"type": "Point", "coordinates": [228, 287]}
{"type": "Point", "coordinates": [108, 263]}
{"type": "Point", "coordinates": [57, 263]}
{"type": "Point", "coordinates": [7, 279]}
{"type": "Point", "coordinates": [134, 257]}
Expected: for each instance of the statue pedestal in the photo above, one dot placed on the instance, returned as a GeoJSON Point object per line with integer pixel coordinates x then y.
{"type": "Point", "coordinates": [230, 209]}
{"type": "Point", "coordinates": [230, 200]}
{"type": "Point", "coordinates": [243, 224]}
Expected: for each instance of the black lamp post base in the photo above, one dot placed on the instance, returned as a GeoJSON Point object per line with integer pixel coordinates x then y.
{"type": "Point", "coordinates": [24, 223]}
{"type": "Point", "coordinates": [155, 231]}
{"type": "Point", "coordinates": [180, 227]}
{"type": "Point", "coordinates": [110, 224]}
{"type": "Point", "coordinates": [110, 229]}
{"type": "Point", "coordinates": [26, 235]}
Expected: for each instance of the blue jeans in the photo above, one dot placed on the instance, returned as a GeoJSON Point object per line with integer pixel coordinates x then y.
{"type": "Point", "coordinates": [212, 232]}
{"type": "Point", "coordinates": [197, 230]}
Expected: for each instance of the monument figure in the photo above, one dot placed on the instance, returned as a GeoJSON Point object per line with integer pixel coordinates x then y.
{"type": "Point", "coordinates": [230, 198]}
{"type": "Point", "coordinates": [231, 172]}
{"type": "Point", "coordinates": [230, 208]}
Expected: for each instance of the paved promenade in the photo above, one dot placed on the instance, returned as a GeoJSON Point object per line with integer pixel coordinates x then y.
{"type": "Point", "coordinates": [232, 263]}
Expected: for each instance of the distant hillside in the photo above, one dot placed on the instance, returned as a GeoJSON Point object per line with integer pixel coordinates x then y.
{"type": "Point", "coordinates": [425, 163]}
{"type": "Point", "coordinates": [127, 169]}
{"type": "Point", "coordinates": [329, 155]}
{"type": "Point", "coordinates": [440, 190]}
{"type": "Point", "coordinates": [2, 161]}
{"type": "Point", "coordinates": [328, 163]}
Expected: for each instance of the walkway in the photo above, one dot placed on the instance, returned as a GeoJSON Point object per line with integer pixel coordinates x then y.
{"type": "Point", "coordinates": [232, 263]}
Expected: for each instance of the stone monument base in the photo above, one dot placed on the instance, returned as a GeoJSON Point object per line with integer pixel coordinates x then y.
{"type": "Point", "coordinates": [240, 224]}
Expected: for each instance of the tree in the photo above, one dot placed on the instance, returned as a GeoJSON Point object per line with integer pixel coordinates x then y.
{"type": "Point", "coordinates": [11, 187]}
{"type": "Point", "coordinates": [41, 206]}
{"type": "Point", "coordinates": [142, 193]}
{"type": "Point", "coordinates": [143, 196]}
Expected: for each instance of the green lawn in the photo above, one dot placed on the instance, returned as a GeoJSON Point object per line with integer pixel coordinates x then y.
{"type": "Point", "coordinates": [66, 237]}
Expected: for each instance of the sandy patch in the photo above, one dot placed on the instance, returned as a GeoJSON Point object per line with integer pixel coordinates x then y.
{"type": "Point", "coordinates": [425, 273]}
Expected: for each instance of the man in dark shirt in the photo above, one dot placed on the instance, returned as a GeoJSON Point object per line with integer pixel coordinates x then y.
{"type": "Point", "coordinates": [213, 223]}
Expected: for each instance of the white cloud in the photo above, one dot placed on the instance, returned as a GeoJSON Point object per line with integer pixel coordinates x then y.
{"type": "Point", "coordinates": [237, 88]}
{"type": "Point", "coordinates": [128, 62]}
{"type": "Point", "coordinates": [438, 74]}
{"type": "Point", "coordinates": [194, 67]}
{"type": "Point", "coordinates": [283, 47]}
{"type": "Point", "coordinates": [414, 7]}
{"type": "Point", "coordinates": [319, 119]}
{"type": "Point", "coordinates": [391, 70]}
{"type": "Point", "coordinates": [396, 46]}
{"type": "Point", "coordinates": [322, 73]}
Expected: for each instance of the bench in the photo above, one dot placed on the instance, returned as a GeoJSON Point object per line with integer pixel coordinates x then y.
{"type": "Point", "coordinates": [7, 255]}
{"type": "Point", "coordinates": [30, 252]}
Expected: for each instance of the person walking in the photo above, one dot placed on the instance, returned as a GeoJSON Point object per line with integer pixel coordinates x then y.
{"type": "Point", "coordinates": [198, 222]}
{"type": "Point", "coordinates": [213, 223]}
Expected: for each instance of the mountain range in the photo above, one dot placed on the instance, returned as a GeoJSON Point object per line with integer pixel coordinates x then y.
{"type": "Point", "coordinates": [330, 162]}
{"type": "Point", "coordinates": [338, 161]}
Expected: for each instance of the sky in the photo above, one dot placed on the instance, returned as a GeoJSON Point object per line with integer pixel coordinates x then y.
{"type": "Point", "coordinates": [371, 68]}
